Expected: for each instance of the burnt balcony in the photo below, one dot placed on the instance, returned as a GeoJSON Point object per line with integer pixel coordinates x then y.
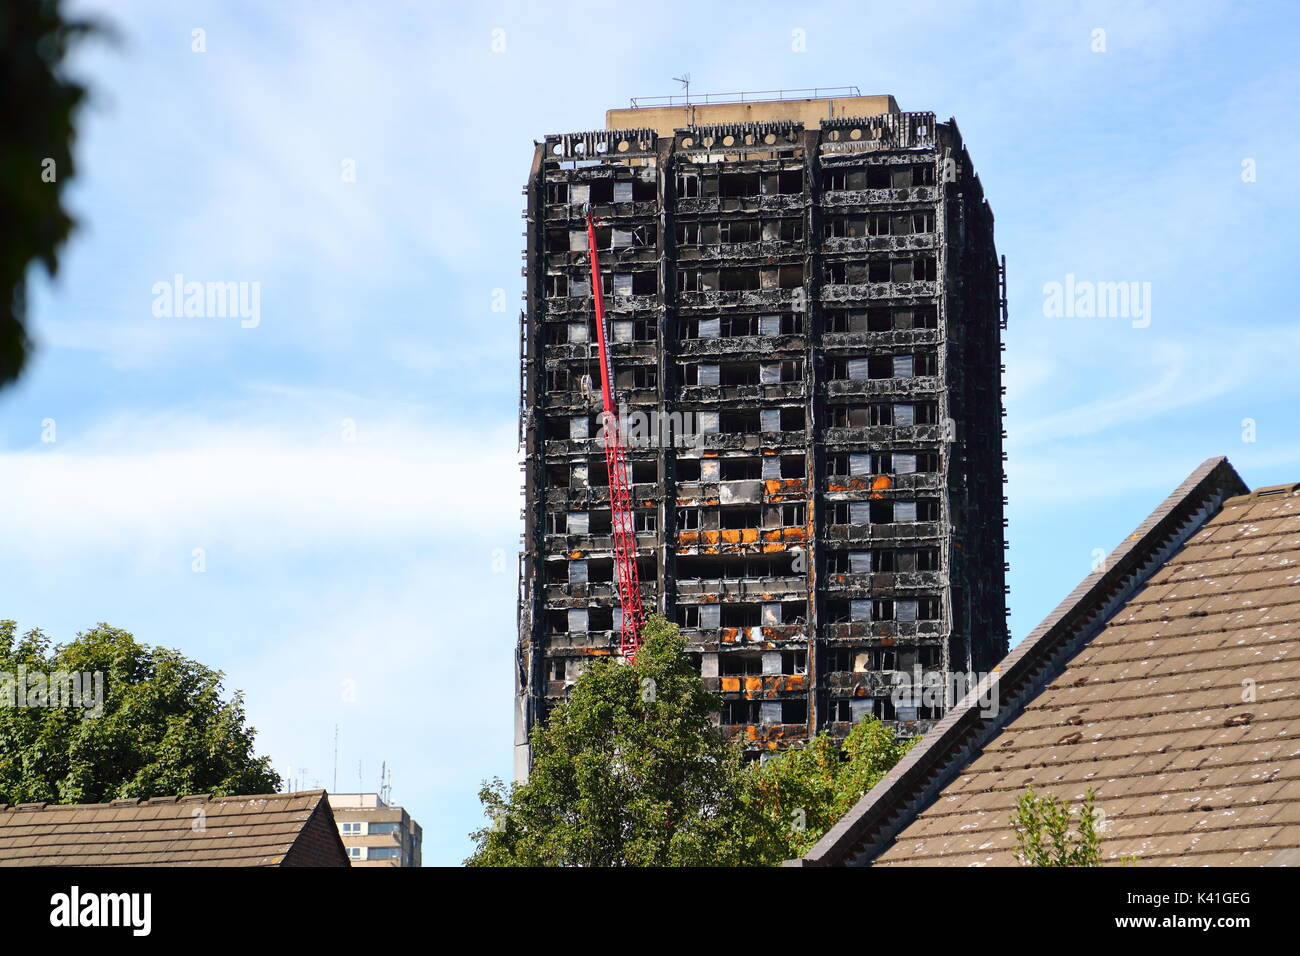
{"type": "Point", "coordinates": [872, 584]}
{"type": "Point", "coordinates": [863, 630]}
{"type": "Point", "coordinates": [766, 589]}
{"type": "Point", "coordinates": [870, 291]}
{"type": "Point", "coordinates": [840, 198]}
{"type": "Point", "coordinates": [911, 385]}
{"type": "Point", "coordinates": [861, 244]}
{"type": "Point", "coordinates": [912, 531]}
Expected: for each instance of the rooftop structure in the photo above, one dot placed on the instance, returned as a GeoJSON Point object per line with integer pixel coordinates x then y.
{"type": "Point", "coordinates": [376, 833]}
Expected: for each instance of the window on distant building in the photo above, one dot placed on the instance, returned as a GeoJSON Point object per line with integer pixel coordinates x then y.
{"type": "Point", "coordinates": [356, 852]}
{"type": "Point", "coordinates": [351, 829]}
{"type": "Point", "coordinates": [383, 853]}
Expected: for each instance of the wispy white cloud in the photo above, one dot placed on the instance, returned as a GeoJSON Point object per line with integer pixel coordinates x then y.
{"type": "Point", "coordinates": [367, 583]}
{"type": "Point", "coordinates": [141, 485]}
{"type": "Point", "coordinates": [1167, 374]}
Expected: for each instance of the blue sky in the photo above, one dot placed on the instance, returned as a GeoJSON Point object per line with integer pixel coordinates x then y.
{"type": "Point", "coordinates": [348, 466]}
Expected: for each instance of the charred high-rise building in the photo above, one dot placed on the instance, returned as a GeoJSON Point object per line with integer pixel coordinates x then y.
{"type": "Point", "coordinates": [804, 304]}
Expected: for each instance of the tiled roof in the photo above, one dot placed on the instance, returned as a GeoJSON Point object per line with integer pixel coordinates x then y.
{"type": "Point", "coordinates": [1183, 715]}
{"type": "Point", "coordinates": [1168, 682]}
{"type": "Point", "coordinates": [276, 829]}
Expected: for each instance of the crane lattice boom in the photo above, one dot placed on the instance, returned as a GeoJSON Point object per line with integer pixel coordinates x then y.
{"type": "Point", "coordinates": [620, 487]}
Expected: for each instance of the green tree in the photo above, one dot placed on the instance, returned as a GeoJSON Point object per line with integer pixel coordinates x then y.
{"type": "Point", "coordinates": [1047, 833]}
{"type": "Point", "coordinates": [38, 108]}
{"type": "Point", "coordinates": [165, 727]}
{"type": "Point", "coordinates": [800, 793]}
{"type": "Point", "coordinates": [629, 771]}
{"type": "Point", "coordinates": [632, 771]}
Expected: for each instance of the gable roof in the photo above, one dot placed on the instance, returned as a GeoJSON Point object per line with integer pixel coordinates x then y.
{"type": "Point", "coordinates": [272, 829]}
{"type": "Point", "coordinates": [1135, 686]}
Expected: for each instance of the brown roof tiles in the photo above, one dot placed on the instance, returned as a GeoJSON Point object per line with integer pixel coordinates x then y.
{"type": "Point", "coordinates": [258, 830]}
{"type": "Point", "coordinates": [1182, 712]}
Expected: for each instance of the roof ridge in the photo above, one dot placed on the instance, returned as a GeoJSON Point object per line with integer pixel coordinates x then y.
{"type": "Point", "coordinates": [124, 802]}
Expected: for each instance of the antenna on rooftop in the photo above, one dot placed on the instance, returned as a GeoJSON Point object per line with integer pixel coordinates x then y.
{"type": "Point", "coordinates": [685, 81]}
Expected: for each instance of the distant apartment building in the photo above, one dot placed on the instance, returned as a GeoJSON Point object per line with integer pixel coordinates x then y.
{"type": "Point", "coordinates": [374, 833]}
{"type": "Point", "coordinates": [807, 291]}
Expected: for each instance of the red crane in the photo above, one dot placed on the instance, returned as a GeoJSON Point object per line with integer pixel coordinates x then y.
{"type": "Point", "coordinates": [620, 487]}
